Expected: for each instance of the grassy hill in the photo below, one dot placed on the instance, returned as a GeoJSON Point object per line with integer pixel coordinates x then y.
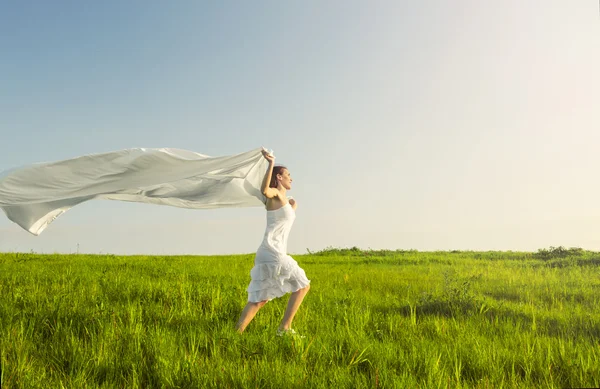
{"type": "Point", "coordinates": [372, 319]}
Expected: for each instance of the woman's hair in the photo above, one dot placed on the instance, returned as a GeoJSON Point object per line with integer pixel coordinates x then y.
{"type": "Point", "coordinates": [276, 170]}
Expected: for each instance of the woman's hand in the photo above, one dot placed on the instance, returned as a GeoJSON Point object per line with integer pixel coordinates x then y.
{"type": "Point", "coordinates": [268, 157]}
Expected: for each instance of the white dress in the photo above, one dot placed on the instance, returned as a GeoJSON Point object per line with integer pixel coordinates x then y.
{"type": "Point", "coordinates": [275, 273]}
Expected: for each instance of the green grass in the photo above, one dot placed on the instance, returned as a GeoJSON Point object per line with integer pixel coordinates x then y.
{"type": "Point", "coordinates": [372, 319]}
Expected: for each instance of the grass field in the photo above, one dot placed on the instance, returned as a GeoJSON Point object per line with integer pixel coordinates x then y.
{"type": "Point", "coordinates": [384, 319]}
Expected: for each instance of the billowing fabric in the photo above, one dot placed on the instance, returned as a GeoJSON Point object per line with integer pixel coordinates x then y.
{"type": "Point", "coordinates": [275, 273]}
{"type": "Point", "coordinates": [33, 196]}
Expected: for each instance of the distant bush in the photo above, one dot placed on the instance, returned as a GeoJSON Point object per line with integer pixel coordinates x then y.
{"type": "Point", "coordinates": [559, 252]}
{"type": "Point", "coordinates": [357, 252]}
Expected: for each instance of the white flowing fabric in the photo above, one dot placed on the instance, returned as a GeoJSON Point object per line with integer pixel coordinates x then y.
{"type": "Point", "coordinates": [33, 196]}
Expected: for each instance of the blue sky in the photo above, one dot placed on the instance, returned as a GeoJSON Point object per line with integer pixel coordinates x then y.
{"type": "Point", "coordinates": [427, 125]}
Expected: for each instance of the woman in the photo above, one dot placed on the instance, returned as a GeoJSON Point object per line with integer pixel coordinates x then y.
{"type": "Point", "coordinates": [275, 273]}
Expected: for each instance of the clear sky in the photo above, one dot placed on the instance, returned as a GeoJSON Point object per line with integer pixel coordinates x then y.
{"type": "Point", "coordinates": [432, 125]}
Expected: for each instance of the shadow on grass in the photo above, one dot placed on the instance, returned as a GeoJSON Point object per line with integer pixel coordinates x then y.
{"type": "Point", "coordinates": [573, 262]}
{"type": "Point", "coordinates": [555, 327]}
{"type": "Point", "coordinates": [505, 296]}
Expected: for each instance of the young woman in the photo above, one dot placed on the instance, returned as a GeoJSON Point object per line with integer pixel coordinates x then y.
{"type": "Point", "coordinates": [275, 273]}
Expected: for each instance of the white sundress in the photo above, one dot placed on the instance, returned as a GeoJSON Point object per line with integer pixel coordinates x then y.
{"type": "Point", "coordinates": [275, 273]}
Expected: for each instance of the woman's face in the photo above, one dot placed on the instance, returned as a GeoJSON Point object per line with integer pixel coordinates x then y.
{"type": "Point", "coordinates": [285, 179]}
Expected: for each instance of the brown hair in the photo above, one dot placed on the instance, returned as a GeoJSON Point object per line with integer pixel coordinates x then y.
{"type": "Point", "coordinates": [276, 170]}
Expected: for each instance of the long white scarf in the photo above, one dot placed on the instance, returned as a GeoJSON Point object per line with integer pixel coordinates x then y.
{"type": "Point", "coordinates": [33, 196]}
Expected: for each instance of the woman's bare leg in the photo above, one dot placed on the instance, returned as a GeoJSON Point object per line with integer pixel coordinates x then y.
{"type": "Point", "coordinates": [248, 314]}
{"type": "Point", "coordinates": [293, 305]}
